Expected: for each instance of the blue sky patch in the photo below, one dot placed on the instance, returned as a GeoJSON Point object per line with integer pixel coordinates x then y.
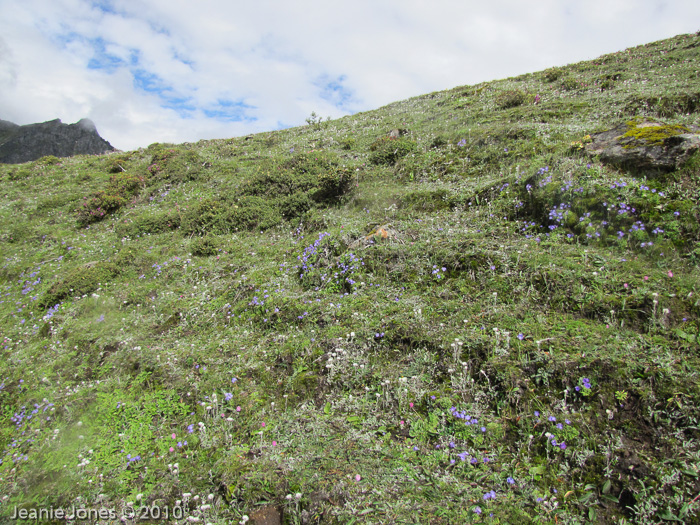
{"type": "Point", "coordinates": [230, 110]}
{"type": "Point", "coordinates": [333, 91]}
{"type": "Point", "coordinates": [102, 59]}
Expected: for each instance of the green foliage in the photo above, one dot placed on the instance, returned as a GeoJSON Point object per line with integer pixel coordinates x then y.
{"type": "Point", "coordinates": [427, 200]}
{"type": "Point", "coordinates": [118, 163]}
{"type": "Point", "coordinates": [227, 216]}
{"type": "Point", "coordinates": [510, 99]}
{"type": "Point", "coordinates": [48, 160]}
{"type": "Point", "coordinates": [205, 246]}
{"type": "Point", "coordinates": [80, 281]}
{"type": "Point", "coordinates": [552, 74]}
{"type": "Point", "coordinates": [388, 150]}
{"type": "Point", "coordinates": [348, 143]}
{"type": "Point", "coordinates": [318, 175]}
{"type": "Point", "coordinates": [96, 208]}
{"type": "Point", "coordinates": [154, 222]}
{"type": "Point", "coordinates": [174, 165]}
{"type": "Point", "coordinates": [315, 121]}
{"type": "Point", "coordinates": [19, 174]}
{"type": "Point", "coordinates": [571, 84]}
{"type": "Point", "coordinates": [664, 105]}
{"type": "Point", "coordinates": [120, 189]}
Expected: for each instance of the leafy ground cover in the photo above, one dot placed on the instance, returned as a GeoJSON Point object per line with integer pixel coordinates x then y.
{"type": "Point", "coordinates": [473, 321]}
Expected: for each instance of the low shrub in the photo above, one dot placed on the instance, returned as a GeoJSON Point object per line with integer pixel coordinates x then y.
{"type": "Point", "coordinates": [427, 200]}
{"type": "Point", "coordinates": [96, 207]}
{"type": "Point", "coordinates": [120, 189]}
{"type": "Point", "coordinates": [205, 246]}
{"type": "Point", "coordinates": [174, 165]}
{"type": "Point", "coordinates": [317, 174]}
{"type": "Point", "coordinates": [222, 216]}
{"type": "Point", "coordinates": [80, 281]}
{"type": "Point", "coordinates": [149, 223]}
{"type": "Point", "coordinates": [388, 150]}
{"type": "Point", "coordinates": [510, 99]}
{"type": "Point", "coordinates": [570, 84]}
{"type": "Point", "coordinates": [552, 74]}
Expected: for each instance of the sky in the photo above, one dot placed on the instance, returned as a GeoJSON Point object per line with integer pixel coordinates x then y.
{"type": "Point", "coordinates": [177, 71]}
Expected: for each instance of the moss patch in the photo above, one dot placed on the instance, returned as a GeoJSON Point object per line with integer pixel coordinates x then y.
{"type": "Point", "coordinates": [651, 133]}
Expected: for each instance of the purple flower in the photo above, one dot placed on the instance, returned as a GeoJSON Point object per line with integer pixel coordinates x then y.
{"type": "Point", "coordinates": [510, 481]}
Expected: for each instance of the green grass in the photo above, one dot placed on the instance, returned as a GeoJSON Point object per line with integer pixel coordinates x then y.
{"type": "Point", "coordinates": [394, 334]}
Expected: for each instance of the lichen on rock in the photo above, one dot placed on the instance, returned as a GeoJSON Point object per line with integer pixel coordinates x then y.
{"type": "Point", "coordinates": [645, 145]}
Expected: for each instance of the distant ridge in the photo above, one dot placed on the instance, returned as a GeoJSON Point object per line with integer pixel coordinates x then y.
{"type": "Point", "coordinates": [26, 143]}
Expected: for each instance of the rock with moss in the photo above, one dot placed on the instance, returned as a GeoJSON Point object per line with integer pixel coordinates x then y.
{"type": "Point", "coordinates": [645, 146]}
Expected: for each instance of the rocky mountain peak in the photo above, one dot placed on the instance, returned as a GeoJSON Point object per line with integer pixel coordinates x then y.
{"type": "Point", "coordinates": [30, 142]}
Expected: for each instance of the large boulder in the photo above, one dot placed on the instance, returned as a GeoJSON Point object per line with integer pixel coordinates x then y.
{"type": "Point", "coordinates": [33, 141]}
{"type": "Point", "coordinates": [645, 146]}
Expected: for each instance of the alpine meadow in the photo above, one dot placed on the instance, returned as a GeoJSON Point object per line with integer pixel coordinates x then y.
{"type": "Point", "coordinates": [479, 305]}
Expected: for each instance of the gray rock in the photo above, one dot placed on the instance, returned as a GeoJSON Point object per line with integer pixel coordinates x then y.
{"type": "Point", "coordinates": [645, 146]}
{"type": "Point", "coordinates": [33, 141]}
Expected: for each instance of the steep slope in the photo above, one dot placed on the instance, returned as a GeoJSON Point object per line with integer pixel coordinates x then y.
{"type": "Point", "coordinates": [431, 312]}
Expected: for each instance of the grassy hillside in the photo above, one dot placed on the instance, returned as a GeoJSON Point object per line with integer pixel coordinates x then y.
{"type": "Point", "coordinates": [472, 320]}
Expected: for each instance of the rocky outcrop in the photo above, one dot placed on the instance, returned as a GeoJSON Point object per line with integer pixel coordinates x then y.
{"type": "Point", "coordinates": [33, 141]}
{"type": "Point", "coordinates": [645, 146]}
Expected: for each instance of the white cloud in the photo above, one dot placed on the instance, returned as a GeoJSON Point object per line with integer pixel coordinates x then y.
{"type": "Point", "coordinates": [176, 70]}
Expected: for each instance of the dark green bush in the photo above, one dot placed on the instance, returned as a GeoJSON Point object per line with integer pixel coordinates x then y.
{"type": "Point", "coordinates": [48, 160]}
{"type": "Point", "coordinates": [552, 74]}
{"type": "Point", "coordinates": [120, 189]}
{"type": "Point", "coordinates": [317, 174]}
{"type": "Point", "coordinates": [439, 141]}
{"type": "Point", "coordinates": [295, 205]}
{"type": "Point", "coordinates": [174, 165]}
{"type": "Point", "coordinates": [348, 143]}
{"type": "Point", "coordinates": [666, 105]}
{"type": "Point", "coordinates": [387, 150]}
{"type": "Point", "coordinates": [149, 223]}
{"type": "Point", "coordinates": [95, 208]}
{"type": "Point", "coordinates": [220, 216]}
{"type": "Point", "coordinates": [251, 213]}
{"type": "Point", "coordinates": [205, 246]}
{"type": "Point", "coordinates": [118, 163]}
{"type": "Point", "coordinates": [19, 174]}
{"type": "Point", "coordinates": [81, 281]}
{"type": "Point", "coordinates": [570, 84]}
{"type": "Point", "coordinates": [426, 200]}
{"type": "Point", "coordinates": [510, 99]}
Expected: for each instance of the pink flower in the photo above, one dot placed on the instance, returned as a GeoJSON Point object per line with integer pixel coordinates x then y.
{"type": "Point", "coordinates": [238, 409]}
{"type": "Point", "coordinates": [172, 449]}
{"type": "Point", "coordinates": [411, 405]}
{"type": "Point", "coordinates": [646, 277]}
{"type": "Point", "coordinates": [174, 435]}
{"type": "Point", "coordinates": [263, 423]}
{"type": "Point", "coordinates": [625, 285]}
{"type": "Point", "coordinates": [670, 273]}
{"type": "Point", "coordinates": [358, 477]}
{"type": "Point", "coordinates": [274, 443]}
